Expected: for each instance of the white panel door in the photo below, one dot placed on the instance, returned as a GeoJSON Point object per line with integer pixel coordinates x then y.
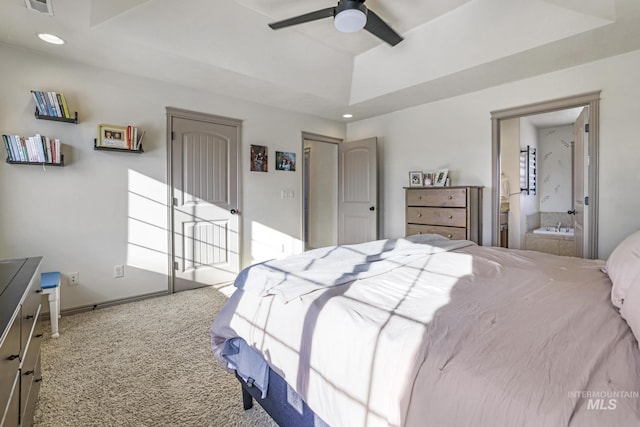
{"type": "Point", "coordinates": [205, 203]}
{"type": "Point", "coordinates": [580, 172]}
{"type": "Point", "coordinates": [357, 191]}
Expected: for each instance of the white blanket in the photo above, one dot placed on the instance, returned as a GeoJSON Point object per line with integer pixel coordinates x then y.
{"type": "Point", "coordinates": [477, 336]}
{"type": "Point", "coordinates": [336, 265]}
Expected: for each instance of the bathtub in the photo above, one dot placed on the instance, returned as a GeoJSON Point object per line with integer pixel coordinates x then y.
{"type": "Point", "coordinates": [564, 231]}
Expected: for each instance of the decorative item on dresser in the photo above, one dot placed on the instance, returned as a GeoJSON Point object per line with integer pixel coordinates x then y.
{"type": "Point", "coordinates": [21, 329]}
{"type": "Point", "coordinates": [453, 212]}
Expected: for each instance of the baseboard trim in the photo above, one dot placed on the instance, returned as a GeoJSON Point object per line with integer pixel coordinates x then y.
{"type": "Point", "coordinates": [92, 307]}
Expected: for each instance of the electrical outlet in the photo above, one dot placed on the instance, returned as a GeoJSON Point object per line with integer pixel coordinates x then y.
{"type": "Point", "coordinates": [118, 271]}
{"type": "Point", "coordinates": [74, 279]}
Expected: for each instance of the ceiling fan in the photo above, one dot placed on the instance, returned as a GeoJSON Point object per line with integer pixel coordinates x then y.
{"type": "Point", "coordinates": [349, 16]}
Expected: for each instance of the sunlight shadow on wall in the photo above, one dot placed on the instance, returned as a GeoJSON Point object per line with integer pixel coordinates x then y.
{"type": "Point", "coordinates": [147, 240]}
{"type": "Point", "coordinates": [267, 243]}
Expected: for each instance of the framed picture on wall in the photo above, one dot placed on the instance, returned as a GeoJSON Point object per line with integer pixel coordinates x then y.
{"type": "Point", "coordinates": [416, 179]}
{"type": "Point", "coordinates": [259, 158]}
{"type": "Point", "coordinates": [441, 177]}
{"type": "Point", "coordinates": [285, 161]}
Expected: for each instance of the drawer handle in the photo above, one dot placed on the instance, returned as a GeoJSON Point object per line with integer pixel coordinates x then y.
{"type": "Point", "coordinates": [450, 197]}
{"type": "Point", "coordinates": [37, 380]}
{"type": "Point", "coordinates": [419, 197]}
{"type": "Point", "coordinates": [39, 335]}
{"type": "Point", "coordinates": [450, 216]}
{"type": "Point", "coordinates": [13, 357]}
{"type": "Point", "coordinates": [419, 215]}
{"type": "Point", "coordinates": [29, 372]}
{"type": "Point", "coordinates": [449, 236]}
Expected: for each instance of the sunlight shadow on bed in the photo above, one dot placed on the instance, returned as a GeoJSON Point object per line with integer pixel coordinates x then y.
{"type": "Point", "coordinates": [475, 336]}
{"type": "Point", "coordinates": [391, 310]}
{"type": "Point", "coordinates": [389, 306]}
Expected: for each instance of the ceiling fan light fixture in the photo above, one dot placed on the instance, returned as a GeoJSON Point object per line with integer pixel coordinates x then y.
{"type": "Point", "coordinates": [350, 20]}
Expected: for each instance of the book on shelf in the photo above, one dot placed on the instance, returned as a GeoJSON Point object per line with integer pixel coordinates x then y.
{"type": "Point", "coordinates": [51, 104]}
{"type": "Point", "coordinates": [32, 149]}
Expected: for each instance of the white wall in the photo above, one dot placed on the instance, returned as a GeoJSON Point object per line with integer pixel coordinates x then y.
{"type": "Point", "coordinates": [103, 209]}
{"type": "Point", "coordinates": [456, 133]}
{"type": "Point", "coordinates": [323, 200]}
{"type": "Point", "coordinates": [555, 171]}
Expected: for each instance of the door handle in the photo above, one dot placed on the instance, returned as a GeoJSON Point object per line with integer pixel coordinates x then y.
{"type": "Point", "coordinates": [234, 212]}
{"type": "Point", "coordinates": [572, 212]}
{"type": "Point", "coordinates": [372, 208]}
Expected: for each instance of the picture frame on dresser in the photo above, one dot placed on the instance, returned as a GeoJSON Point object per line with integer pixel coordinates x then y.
{"type": "Point", "coordinates": [440, 177]}
{"type": "Point", "coordinates": [416, 179]}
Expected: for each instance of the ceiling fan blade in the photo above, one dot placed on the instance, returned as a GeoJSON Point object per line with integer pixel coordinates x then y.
{"type": "Point", "coordinates": [376, 26]}
{"type": "Point", "coordinates": [307, 17]}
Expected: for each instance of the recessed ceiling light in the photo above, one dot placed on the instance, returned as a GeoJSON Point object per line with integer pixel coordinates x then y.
{"type": "Point", "coordinates": [347, 116]}
{"type": "Point", "coordinates": [50, 38]}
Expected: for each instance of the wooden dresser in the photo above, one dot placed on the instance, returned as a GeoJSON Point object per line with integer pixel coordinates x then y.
{"type": "Point", "coordinates": [453, 212]}
{"type": "Point", "coordinates": [20, 339]}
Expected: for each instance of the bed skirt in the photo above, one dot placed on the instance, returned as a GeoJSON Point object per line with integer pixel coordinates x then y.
{"type": "Point", "coordinates": [282, 403]}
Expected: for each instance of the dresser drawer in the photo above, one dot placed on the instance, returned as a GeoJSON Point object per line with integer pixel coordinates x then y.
{"type": "Point", "coordinates": [33, 343]}
{"type": "Point", "coordinates": [10, 409]}
{"type": "Point", "coordinates": [441, 197]}
{"type": "Point", "coordinates": [30, 387]}
{"type": "Point", "coordinates": [452, 217]}
{"type": "Point", "coordinates": [453, 233]}
{"type": "Point", "coordinates": [9, 361]}
{"type": "Point", "coordinates": [30, 309]}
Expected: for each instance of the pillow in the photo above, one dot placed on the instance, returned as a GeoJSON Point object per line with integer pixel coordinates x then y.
{"type": "Point", "coordinates": [623, 268]}
{"type": "Point", "coordinates": [630, 310]}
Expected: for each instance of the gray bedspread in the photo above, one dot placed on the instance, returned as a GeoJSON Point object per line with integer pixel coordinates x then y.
{"type": "Point", "coordinates": [477, 336]}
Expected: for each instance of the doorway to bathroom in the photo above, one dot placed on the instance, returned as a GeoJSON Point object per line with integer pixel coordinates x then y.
{"type": "Point", "coordinates": [545, 175]}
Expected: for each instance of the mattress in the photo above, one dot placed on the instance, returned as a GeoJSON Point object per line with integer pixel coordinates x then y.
{"type": "Point", "coordinates": [469, 336]}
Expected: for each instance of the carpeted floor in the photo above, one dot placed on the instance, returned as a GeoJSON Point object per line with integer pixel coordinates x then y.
{"type": "Point", "coordinates": [145, 363]}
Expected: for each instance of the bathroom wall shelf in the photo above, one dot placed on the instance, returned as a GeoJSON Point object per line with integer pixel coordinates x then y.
{"type": "Point", "coordinates": [61, 164]}
{"type": "Point", "coordinates": [113, 149]}
{"type": "Point", "coordinates": [73, 120]}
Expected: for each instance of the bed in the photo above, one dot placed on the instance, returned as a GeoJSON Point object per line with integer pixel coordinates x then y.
{"type": "Point", "coordinates": [425, 331]}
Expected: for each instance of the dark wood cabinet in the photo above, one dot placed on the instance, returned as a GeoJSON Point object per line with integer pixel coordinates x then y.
{"type": "Point", "coordinates": [21, 327]}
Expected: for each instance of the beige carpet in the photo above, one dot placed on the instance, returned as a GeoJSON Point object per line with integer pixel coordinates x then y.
{"type": "Point", "coordinates": [145, 363]}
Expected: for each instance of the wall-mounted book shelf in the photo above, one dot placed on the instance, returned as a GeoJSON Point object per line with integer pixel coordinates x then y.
{"type": "Point", "coordinates": [113, 149]}
{"type": "Point", "coordinates": [15, 162]}
{"type": "Point", "coordinates": [73, 120]}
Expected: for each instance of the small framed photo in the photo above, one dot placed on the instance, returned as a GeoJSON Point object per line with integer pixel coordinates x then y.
{"type": "Point", "coordinates": [416, 179]}
{"type": "Point", "coordinates": [428, 179]}
{"type": "Point", "coordinates": [441, 177]}
{"type": "Point", "coordinates": [112, 136]}
{"type": "Point", "coordinates": [285, 161]}
{"type": "Point", "coordinates": [259, 158]}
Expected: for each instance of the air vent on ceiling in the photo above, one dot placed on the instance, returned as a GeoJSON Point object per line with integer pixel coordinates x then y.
{"type": "Point", "coordinates": [40, 6]}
